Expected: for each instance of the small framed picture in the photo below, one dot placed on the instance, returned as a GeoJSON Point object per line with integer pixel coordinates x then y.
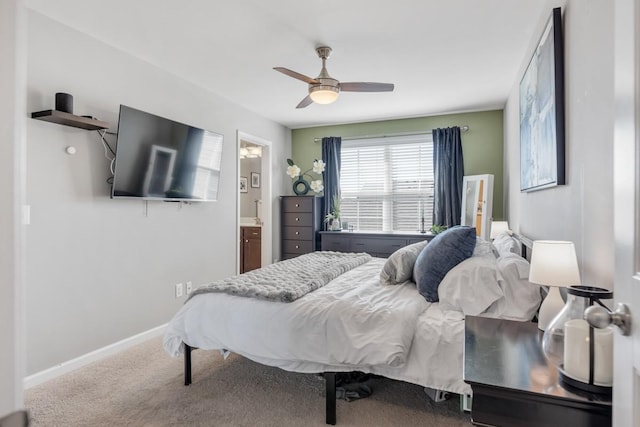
{"type": "Point", "coordinates": [244, 186]}
{"type": "Point", "coordinates": [255, 180]}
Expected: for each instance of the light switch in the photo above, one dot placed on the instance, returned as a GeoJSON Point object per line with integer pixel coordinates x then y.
{"type": "Point", "coordinates": [26, 214]}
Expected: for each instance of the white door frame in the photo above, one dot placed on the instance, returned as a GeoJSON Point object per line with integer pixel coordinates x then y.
{"type": "Point", "coordinates": [267, 202]}
{"type": "Point", "coordinates": [626, 165]}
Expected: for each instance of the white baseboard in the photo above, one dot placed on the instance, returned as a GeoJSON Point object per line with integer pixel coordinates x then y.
{"type": "Point", "coordinates": [101, 353]}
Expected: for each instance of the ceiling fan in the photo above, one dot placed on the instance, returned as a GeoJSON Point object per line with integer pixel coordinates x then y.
{"type": "Point", "coordinates": [324, 89]}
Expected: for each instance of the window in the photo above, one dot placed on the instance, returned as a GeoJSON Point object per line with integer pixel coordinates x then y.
{"type": "Point", "coordinates": [387, 183]}
{"type": "Point", "coordinates": [208, 167]}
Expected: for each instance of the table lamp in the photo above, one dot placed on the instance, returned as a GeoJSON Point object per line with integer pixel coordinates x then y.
{"type": "Point", "coordinates": [498, 227]}
{"type": "Point", "coordinates": [553, 264]}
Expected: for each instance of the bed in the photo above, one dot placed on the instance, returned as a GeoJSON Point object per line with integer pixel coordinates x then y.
{"type": "Point", "coordinates": [374, 317]}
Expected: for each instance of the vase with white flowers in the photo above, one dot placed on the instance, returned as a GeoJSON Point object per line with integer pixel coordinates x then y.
{"type": "Point", "coordinates": [301, 186]}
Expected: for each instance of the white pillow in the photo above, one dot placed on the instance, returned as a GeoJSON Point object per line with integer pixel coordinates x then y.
{"type": "Point", "coordinates": [505, 243]}
{"type": "Point", "coordinates": [485, 248]}
{"type": "Point", "coordinates": [521, 297]}
{"type": "Point", "coordinates": [470, 287]}
{"type": "Point", "coordinates": [399, 266]}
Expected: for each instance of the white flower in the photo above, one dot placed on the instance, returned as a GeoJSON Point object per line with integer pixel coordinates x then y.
{"type": "Point", "coordinates": [318, 166]}
{"type": "Point", "coordinates": [293, 171]}
{"type": "Point", "coordinates": [317, 185]}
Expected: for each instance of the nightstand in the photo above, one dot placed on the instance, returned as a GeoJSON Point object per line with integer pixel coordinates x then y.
{"type": "Point", "coordinates": [514, 385]}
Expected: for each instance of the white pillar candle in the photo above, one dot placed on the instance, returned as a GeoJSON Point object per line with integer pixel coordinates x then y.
{"type": "Point", "coordinates": [576, 349]}
{"type": "Point", "coordinates": [576, 352]}
{"type": "Point", "coordinates": [603, 374]}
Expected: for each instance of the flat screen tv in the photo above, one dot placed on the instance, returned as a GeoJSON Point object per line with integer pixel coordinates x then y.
{"type": "Point", "coordinates": [161, 159]}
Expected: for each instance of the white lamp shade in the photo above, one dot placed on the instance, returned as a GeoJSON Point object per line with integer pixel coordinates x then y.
{"type": "Point", "coordinates": [554, 263]}
{"type": "Point", "coordinates": [498, 227]}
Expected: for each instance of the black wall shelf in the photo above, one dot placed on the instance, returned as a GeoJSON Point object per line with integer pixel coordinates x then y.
{"type": "Point", "coordinates": [67, 119]}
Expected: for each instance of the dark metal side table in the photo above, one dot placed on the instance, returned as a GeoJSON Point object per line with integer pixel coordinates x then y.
{"type": "Point", "coordinates": [514, 385]}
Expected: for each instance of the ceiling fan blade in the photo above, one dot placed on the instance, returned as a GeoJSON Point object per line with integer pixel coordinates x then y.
{"type": "Point", "coordinates": [366, 87]}
{"type": "Point", "coordinates": [305, 102]}
{"type": "Point", "coordinates": [295, 75]}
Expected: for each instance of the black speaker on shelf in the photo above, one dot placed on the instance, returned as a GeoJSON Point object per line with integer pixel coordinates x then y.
{"type": "Point", "coordinates": [64, 102]}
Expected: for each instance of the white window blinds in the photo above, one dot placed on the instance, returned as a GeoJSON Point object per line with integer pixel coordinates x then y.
{"type": "Point", "coordinates": [387, 183]}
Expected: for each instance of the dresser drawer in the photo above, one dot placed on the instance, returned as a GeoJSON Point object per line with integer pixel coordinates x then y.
{"type": "Point", "coordinates": [378, 246]}
{"type": "Point", "coordinates": [298, 233]}
{"type": "Point", "coordinates": [298, 219]}
{"type": "Point", "coordinates": [297, 246]}
{"type": "Point", "coordinates": [297, 204]}
{"type": "Point", "coordinates": [334, 243]}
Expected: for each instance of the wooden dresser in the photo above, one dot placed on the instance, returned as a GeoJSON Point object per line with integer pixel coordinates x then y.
{"type": "Point", "coordinates": [378, 244]}
{"type": "Point", "coordinates": [301, 221]}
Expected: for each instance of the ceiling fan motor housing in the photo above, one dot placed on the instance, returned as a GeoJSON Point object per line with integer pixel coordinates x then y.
{"type": "Point", "coordinates": [328, 89]}
{"type": "Point", "coordinates": [326, 92]}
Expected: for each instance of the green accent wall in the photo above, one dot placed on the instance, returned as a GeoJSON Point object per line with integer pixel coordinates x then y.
{"type": "Point", "coordinates": [482, 144]}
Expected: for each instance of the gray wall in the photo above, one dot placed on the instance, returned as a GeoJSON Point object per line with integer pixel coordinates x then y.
{"type": "Point", "coordinates": [13, 69]}
{"type": "Point", "coordinates": [102, 270]}
{"type": "Point", "coordinates": [582, 210]}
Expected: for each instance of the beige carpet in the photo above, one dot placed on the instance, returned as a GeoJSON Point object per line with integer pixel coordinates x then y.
{"type": "Point", "coordinates": [143, 386]}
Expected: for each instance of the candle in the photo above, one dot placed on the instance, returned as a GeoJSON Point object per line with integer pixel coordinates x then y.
{"type": "Point", "coordinates": [576, 353]}
{"type": "Point", "coordinates": [604, 357]}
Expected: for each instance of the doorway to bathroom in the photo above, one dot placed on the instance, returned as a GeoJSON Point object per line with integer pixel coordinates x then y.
{"type": "Point", "coordinates": [254, 203]}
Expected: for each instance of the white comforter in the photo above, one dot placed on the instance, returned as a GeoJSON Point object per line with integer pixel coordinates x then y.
{"type": "Point", "coordinates": [351, 321]}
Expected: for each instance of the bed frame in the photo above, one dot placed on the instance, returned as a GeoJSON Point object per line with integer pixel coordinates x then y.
{"type": "Point", "coordinates": [330, 377]}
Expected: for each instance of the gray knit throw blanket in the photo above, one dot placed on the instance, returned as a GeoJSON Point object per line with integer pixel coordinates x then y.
{"type": "Point", "coordinates": [286, 281]}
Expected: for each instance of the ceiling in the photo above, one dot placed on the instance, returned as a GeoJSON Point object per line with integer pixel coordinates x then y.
{"type": "Point", "coordinates": [444, 56]}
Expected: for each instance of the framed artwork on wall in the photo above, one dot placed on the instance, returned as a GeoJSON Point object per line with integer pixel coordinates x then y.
{"type": "Point", "coordinates": [244, 186]}
{"type": "Point", "coordinates": [542, 132]}
{"type": "Point", "coordinates": [255, 180]}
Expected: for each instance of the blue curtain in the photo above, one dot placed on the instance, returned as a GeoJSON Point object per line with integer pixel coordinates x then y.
{"type": "Point", "coordinates": [448, 169]}
{"type": "Point", "coordinates": [331, 146]}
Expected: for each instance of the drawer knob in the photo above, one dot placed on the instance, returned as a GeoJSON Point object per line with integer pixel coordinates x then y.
{"type": "Point", "coordinates": [297, 219]}
{"type": "Point", "coordinates": [246, 241]}
{"type": "Point", "coordinates": [297, 247]}
{"type": "Point", "coordinates": [297, 233]}
{"type": "Point", "coordinates": [297, 205]}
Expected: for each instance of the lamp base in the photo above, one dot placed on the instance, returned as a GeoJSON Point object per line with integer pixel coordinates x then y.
{"type": "Point", "coordinates": [571, 383]}
{"type": "Point", "coordinates": [551, 306]}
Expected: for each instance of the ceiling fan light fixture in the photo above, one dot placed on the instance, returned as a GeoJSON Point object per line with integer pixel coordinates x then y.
{"type": "Point", "coordinates": [323, 94]}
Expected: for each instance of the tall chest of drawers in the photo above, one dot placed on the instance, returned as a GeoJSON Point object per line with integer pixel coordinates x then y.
{"type": "Point", "coordinates": [301, 221]}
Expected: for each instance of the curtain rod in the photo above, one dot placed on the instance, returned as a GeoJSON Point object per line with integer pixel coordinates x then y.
{"type": "Point", "coordinates": [464, 128]}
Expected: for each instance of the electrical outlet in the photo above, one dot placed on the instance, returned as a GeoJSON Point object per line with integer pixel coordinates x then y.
{"type": "Point", "coordinates": [189, 287]}
{"type": "Point", "coordinates": [178, 290]}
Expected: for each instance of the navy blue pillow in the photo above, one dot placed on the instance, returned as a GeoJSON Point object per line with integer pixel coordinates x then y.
{"type": "Point", "coordinates": [444, 252]}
